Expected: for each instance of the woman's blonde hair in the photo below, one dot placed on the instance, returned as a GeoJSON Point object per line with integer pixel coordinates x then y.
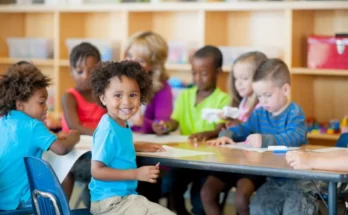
{"type": "Point", "coordinates": [155, 51]}
{"type": "Point", "coordinates": [254, 59]}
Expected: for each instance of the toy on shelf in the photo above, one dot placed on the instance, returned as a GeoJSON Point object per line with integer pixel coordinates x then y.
{"type": "Point", "coordinates": [333, 127]}
{"type": "Point", "coordinates": [344, 125]}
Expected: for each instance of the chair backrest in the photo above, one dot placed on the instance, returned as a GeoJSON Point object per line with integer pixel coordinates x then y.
{"type": "Point", "coordinates": [48, 197]}
{"type": "Point", "coordinates": [342, 141]}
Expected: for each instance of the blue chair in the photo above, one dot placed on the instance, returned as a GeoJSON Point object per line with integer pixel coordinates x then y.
{"type": "Point", "coordinates": [22, 211]}
{"type": "Point", "coordinates": [47, 194]}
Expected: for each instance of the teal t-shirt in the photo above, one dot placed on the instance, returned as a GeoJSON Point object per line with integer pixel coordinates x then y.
{"type": "Point", "coordinates": [21, 136]}
{"type": "Point", "coordinates": [113, 146]}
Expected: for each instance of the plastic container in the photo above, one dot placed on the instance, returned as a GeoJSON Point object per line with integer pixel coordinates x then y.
{"type": "Point", "coordinates": [327, 52]}
{"type": "Point", "coordinates": [108, 50]}
{"type": "Point", "coordinates": [18, 47]}
{"type": "Point", "coordinates": [24, 47]}
{"type": "Point", "coordinates": [40, 48]}
{"type": "Point", "coordinates": [180, 52]}
{"type": "Point", "coordinates": [231, 53]}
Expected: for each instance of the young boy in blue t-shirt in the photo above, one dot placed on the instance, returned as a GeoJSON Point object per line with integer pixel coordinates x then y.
{"type": "Point", "coordinates": [277, 122]}
{"type": "Point", "coordinates": [23, 110]}
{"type": "Point", "coordinates": [120, 88]}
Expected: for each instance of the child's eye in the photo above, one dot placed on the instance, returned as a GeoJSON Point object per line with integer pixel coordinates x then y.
{"type": "Point", "coordinates": [79, 72]}
{"type": "Point", "coordinates": [268, 95]}
{"type": "Point", "coordinates": [117, 95]}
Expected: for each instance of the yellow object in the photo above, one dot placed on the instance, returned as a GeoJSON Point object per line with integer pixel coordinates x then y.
{"type": "Point", "coordinates": [330, 131]}
{"type": "Point", "coordinates": [344, 122]}
{"type": "Point", "coordinates": [315, 131]}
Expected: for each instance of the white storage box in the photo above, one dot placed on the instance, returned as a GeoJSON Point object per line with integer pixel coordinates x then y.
{"type": "Point", "coordinates": [25, 47]}
{"type": "Point", "coordinates": [230, 53]}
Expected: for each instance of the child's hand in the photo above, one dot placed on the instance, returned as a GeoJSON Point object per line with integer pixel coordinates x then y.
{"type": "Point", "coordinates": [73, 136]}
{"type": "Point", "coordinates": [159, 128]}
{"type": "Point", "coordinates": [221, 141]}
{"type": "Point", "coordinates": [255, 140]}
{"type": "Point", "coordinates": [148, 173]}
{"type": "Point", "coordinates": [198, 137]}
{"type": "Point", "coordinates": [299, 159]}
{"type": "Point", "coordinates": [148, 147]}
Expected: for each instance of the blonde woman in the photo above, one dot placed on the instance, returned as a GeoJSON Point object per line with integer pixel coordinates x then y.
{"type": "Point", "coordinates": [151, 51]}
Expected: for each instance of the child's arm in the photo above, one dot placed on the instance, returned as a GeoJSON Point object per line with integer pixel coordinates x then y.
{"type": "Point", "coordinates": [69, 105]}
{"type": "Point", "coordinates": [203, 136]}
{"type": "Point", "coordinates": [237, 133]}
{"type": "Point", "coordinates": [160, 109]}
{"type": "Point", "coordinates": [295, 134]}
{"type": "Point", "coordinates": [333, 161]}
{"type": "Point", "coordinates": [148, 147]}
{"type": "Point", "coordinates": [162, 127]}
{"type": "Point", "coordinates": [103, 173]}
{"type": "Point", "coordinates": [63, 145]}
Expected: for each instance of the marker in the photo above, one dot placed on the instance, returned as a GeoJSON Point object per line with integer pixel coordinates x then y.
{"type": "Point", "coordinates": [158, 123]}
{"type": "Point", "coordinates": [280, 151]}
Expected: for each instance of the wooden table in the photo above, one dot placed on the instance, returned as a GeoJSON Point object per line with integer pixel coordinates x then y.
{"type": "Point", "coordinates": [248, 162]}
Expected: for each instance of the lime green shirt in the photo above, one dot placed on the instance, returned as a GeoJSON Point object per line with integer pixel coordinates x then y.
{"type": "Point", "coordinates": [189, 115]}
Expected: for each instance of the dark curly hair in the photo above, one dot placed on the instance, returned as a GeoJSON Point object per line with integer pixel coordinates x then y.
{"type": "Point", "coordinates": [100, 78]}
{"type": "Point", "coordinates": [19, 84]}
{"type": "Point", "coordinates": [82, 51]}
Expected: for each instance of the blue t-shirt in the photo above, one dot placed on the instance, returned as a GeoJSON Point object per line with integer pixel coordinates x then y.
{"type": "Point", "coordinates": [113, 146]}
{"type": "Point", "coordinates": [21, 136]}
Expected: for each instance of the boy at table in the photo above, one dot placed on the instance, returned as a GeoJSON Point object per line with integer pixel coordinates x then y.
{"type": "Point", "coordinates": [277, 122]}
{"type": "Point", "coordinates": [206, 66]}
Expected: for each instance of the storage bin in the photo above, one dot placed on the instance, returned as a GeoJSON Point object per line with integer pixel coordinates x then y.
{"type": "Point", "coordinates": [26, 47]}
{"type": "Point", "coordinates": [327, 52]}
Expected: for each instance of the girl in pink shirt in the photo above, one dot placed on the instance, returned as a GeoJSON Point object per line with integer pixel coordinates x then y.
{"type": "Point", "coordinates": [244, 98]}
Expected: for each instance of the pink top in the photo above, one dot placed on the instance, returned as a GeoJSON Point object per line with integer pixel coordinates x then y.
{"type": "Point", "coordinates": [89, 113]}
{"type": "Point", "coordinates": [244, 111]}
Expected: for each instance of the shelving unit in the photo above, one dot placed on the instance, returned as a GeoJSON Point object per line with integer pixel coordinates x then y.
{"type": "Point", "coordinates": [284, 25]}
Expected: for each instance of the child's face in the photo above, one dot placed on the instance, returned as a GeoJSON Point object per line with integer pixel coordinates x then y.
{"type": "Point", "coordinates": [242, 73]}
{"type": "Point", "coordinates": [204, 73]}
{"type": "Point", "coordinates": [81, 73]}
{"type": "Point", "coordinates": [36, 105]}
{"type": "Point", "coordinates": [121, 98]}
{"type": "Point", "coordinates": [135, 54]}
{"type": "Point", "coordinates": [272, 97]}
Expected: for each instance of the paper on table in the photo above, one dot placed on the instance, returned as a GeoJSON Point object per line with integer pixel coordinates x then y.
{"type": "Point", "coordinates": [62, 164]}
{"type": "Point", "coordinates": [172, 152]}
{"type": "Point", "coordinates": [329, 149]}
{"type": "Point", "coordinates": [249, 147]}
{"type": "Point", "coordinates": [152, 138]}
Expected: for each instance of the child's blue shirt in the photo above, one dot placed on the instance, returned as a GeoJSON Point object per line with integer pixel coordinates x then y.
{"type": "Point", "coordinates": [21, 136]}
{"type": "Point", "coordinates": [113, 146]}
{"type": "Point", "coordinates": [286, 129]}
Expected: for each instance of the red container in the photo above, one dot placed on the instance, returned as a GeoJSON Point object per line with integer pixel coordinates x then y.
{"type": "Point", "coordinates": [327, 52]}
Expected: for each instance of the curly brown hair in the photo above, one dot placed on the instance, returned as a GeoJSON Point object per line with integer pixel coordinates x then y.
{"type": "Point", "coordinates": [100, 78]}
{"type": "Point", "coordinates": [18, 84]}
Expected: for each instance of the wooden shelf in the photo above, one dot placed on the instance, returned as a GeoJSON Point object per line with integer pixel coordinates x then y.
{"type": "Point", "coordinates": [323, 136]}
{"type": "Point", "coordinates": [326, 72]}
{"type": "Point", "coordinates": [37, 62]}
{"type": "Point", "coordinates": [216, 6]}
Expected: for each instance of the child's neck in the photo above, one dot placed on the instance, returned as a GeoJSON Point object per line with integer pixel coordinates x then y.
{"type": "Point", "coordinates": [249, 102]}
{"type": "Point", "coordinates": [281, 109]}
{"type": "Point", "coordinates": [120, 122]}
{"type": "Point", "coordinates": [202, 94]}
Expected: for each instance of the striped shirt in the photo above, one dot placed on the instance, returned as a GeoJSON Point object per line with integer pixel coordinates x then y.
{"type": "Point", "coordinates": [286, 129]}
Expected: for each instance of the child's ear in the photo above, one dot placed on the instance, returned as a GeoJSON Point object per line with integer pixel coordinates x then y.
{"type": "Point", "coordinates": [287, 89]}
{"type": "Point", "coordinates": [102, 99]}
{"type": "Point", "coordinates": [19, 105]}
